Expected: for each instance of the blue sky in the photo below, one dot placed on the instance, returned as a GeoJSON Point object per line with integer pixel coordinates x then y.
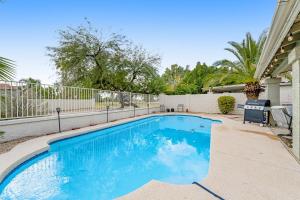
{"type": "Point", "coordinates": [181, 31]}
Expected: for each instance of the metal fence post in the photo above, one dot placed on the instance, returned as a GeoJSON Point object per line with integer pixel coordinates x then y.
{"type": "Point", "coordinates": [58, 118]}
{"type": "Point", "coordinates": [130, 100]}
{"type": "Point", "coordinates": [148, 104]}
{"type": "Point", "coordinates": [107, 108]}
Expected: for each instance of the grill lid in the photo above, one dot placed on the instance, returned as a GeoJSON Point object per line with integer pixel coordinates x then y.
{"type": "Point", "coordinates": [258, 102]}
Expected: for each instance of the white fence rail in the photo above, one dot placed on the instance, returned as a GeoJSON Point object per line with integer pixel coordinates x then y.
{"type": "Point", "coordinates": [22, 100]}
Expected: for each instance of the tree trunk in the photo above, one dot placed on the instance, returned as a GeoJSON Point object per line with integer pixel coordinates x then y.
{"type": "Point", "coordinates": [252, 90]}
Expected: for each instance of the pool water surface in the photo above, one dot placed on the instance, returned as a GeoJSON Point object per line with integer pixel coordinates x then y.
{"type": "Point", "coordinates": [112, 162]}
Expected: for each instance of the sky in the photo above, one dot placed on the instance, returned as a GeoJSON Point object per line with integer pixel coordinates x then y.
{"type": "Point", "coordinates": [181, 31]}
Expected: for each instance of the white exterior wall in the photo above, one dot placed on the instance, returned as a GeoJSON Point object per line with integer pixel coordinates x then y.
{"type": "Point", "coordinates": [208, 103]}
{"type": "Point", "coordinates": [294, 61]}
{"type": "Point", "coordinates": [205, 103]}
{"type": "Point", "coordinates": [19, 128]}
{"type": "Point", "coordinates": [272, 91]}
{"type": "Point", "coordinates": [286, 94]}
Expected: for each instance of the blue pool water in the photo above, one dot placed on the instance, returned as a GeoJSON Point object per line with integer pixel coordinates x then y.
{"type": "Point", "coordinates": [109, 163]}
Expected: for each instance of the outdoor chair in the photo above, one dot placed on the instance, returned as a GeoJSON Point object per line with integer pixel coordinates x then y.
{"type": "Point", "coordinates": [162, 108]}
{"type": "Point", "coordinates": [180, 108]}
{"type": "Point", "coordinates": [283, 117]}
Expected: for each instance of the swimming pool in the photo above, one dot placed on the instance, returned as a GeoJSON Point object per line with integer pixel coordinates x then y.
{"type": "Point", "coordinates": [112, 162]}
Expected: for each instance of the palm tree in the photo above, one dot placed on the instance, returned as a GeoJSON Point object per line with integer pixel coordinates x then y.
{"type": "Point", "coordinates": [242, 70]}
{"type": "Point", "coordinates": [7, 69]}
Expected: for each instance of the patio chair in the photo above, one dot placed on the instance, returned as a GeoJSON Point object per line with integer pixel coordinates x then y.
{"type": "Point", "coordinates": [283, 117]}
{"type": "Point", "coordinates": [180, 108]}
{"type": "Point", "coordinates": [162, 108]}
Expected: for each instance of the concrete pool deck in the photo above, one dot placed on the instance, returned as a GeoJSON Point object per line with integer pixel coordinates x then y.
{"type": "Point", "coordinates": [247, 162]}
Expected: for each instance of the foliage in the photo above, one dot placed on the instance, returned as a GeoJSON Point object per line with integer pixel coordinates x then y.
{"type": "Point", "coordinates": [218, 78]}
{"type": "Point", "coordinates": [7, 69]}
{"type": "Point", "coordinates": [34, 87]}
{"type": "Point", "coordinates": [226, 104]}
{"type": "Point", "coordinates": [223, 72]}
{"type": "Point", "coordinates": [155, 85]}
{"type": "Point", "coordinates": [252, 90]}
{"type": "Point", "coordinates": [242, 70]}
{"type": "Point", "coordinates": [183, 81]}
{"type": "Point", "coordinates": [23, 99]}
{"type": "Point", "coordinates": [173, 77]}
{"type": "Point", "coordinates": [184, 88]}
{"type": "Point", "coordinates": [199, 76]}
{"type": "Point", "coordinates": [169, 90]}
{"type": "Point", "coordinates": [31, 81]}
{"type": "Point", "coordinates": [86, 57]}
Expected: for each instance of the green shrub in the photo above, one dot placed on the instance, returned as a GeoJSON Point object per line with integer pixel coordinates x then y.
{"type": "Point", "coordinates": [226, 104]}
{"type": "Point", "coordinates": [184, 88]}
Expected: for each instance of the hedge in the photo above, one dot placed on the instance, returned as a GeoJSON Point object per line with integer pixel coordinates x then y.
{"type": "Point", "coordinates": [226, 104]}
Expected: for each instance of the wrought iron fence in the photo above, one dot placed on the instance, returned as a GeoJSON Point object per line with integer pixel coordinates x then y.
{"type": "Point", "coordinates": [22, 99]}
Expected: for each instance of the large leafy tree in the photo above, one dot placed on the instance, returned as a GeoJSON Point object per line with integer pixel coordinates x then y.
{"type": "Point", "coordinates": [84, 58]}
{"type": "Point", "coordinates": [155, 85]}
{"type": "Point", "coordinates": [7, 69]}
{"type": "Point", "coordinates": [87, 57]}
{"type": "Point", "coordinates": [241, 70]}
{"type": "Point", "coordinates": [185, 88]}
{"type": "Point", "coordinates": [199, 76]}
{"type": "Point", "coordinates": [141, 69]}
{"type": "Point", "coordinates": [184, 81]}
{"type": "Point", "coordinates": [173, 77]}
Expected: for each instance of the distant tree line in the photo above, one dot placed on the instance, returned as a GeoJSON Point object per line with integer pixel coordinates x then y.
{"type": "Point", "coordinates": [180, 80]}
{"type": "Point", "coordinates": [86, 57]}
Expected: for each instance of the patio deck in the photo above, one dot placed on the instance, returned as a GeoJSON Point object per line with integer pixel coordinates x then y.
{"type": "Point", "coordinates": [247, 162]}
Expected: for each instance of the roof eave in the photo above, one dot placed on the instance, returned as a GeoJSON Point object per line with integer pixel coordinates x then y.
{"type": "Point", "coordinates": [285, 16]}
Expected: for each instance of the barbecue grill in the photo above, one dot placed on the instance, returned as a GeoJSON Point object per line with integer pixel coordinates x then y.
{"type": "Point", "coordinates": [257, 111]}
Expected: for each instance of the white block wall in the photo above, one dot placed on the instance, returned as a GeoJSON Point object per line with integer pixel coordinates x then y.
{"type": "Point", "coordinates": [208, 103]}
{"type": "Point", "coordinates": [19, 128]}
{"type": "Point", "coordinates": [205, 103]}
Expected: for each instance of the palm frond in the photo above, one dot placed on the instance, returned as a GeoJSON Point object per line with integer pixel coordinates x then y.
{"type": "Point", "coordinates": [7, 69]}
{"type": "Point", "coordinates": [242, 70]}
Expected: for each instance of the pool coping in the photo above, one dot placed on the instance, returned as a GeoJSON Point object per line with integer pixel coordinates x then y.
{"type": "Point", "coordinates": [246, 162]}
{"type": "Point", "coordinates": [27, 150]}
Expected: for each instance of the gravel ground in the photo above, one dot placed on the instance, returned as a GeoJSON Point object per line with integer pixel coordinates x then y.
{"type": "Point", "coordinates": [7, 146]}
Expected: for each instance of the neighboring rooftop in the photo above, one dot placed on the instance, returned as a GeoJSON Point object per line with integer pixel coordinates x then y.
{"type": "Point", "coordinates": [236, 88]}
